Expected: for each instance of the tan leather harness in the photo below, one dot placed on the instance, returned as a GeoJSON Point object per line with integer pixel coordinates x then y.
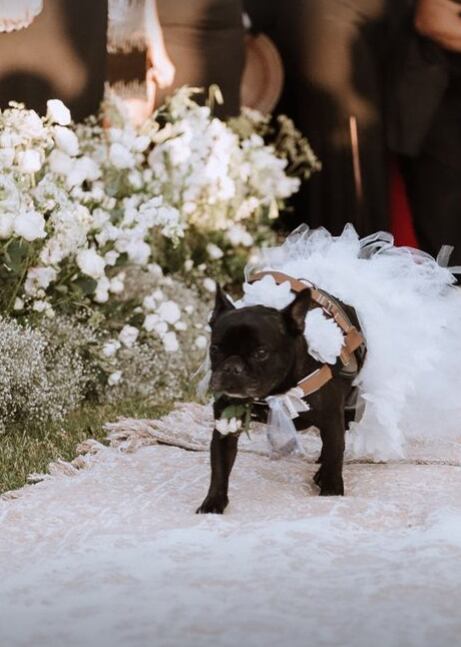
{"type": "Point", "coordinates": [353, 338]}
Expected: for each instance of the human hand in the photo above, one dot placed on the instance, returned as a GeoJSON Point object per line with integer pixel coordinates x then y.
{"type": "Point", "coordinates": [162, 69]}
{"type": "Point", "coordinates": [440, 20]}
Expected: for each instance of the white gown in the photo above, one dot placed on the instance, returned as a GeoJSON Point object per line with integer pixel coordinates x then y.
{"type": "Point", "coordinates": [410, 313]}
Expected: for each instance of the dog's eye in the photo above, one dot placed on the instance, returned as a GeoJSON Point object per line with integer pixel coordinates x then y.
{"type": "Point", "coordinates": [214, 349]}
{"type": "Point", "coordinates": [261, 354]}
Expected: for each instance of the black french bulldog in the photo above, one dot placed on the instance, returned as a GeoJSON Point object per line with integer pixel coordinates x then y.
{"type": "Point", "coordinates": [259, 351]}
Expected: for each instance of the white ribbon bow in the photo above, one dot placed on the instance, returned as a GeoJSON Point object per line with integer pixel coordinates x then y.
{"type": "Point", "coordinates": [281, 432]}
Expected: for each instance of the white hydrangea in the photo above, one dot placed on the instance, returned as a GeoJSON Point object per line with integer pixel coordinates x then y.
{"type": "Point", "coordinates": [192, 172]}
{"type": "Point", "coordinates": [114, 378]}
{"type": "Point", "coordinates": [60, 163]}
{"type": "Point", "coordinates": [150, 321]}
{"type": "Point", "coordinates": [169, 311]}
{"type": "Point", "coordinates": [30, 225]}
{"type": "Point", "coordinates": [111, 347]}
{"type": "Point", "coordinates": [201, 342]}
{"type": "Point", "coordinates": [214, 252]}
{"type": "Point", "coordinates": [39, 278]}
{"type": "Point", "coordinates": [6, 225]}
{"type": "Point", "coordinates": [117, 283]}
{"type": "Point", "coordinates": [121, 157]}
{"type": "Point", "coordinates": [101, 294]}
{"type": "Point", "coordinates": [91, 263]}
{"type": "Point", "coordinates": [170, 342]}
{"type": "Point", "coordinates": [128, 335]}
{"type": "Point", "coordinates": [29, 161]}
{"type": "Point", "coordinates": [209, 285]}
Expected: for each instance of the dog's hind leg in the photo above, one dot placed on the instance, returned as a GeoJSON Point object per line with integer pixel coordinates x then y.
{"type": "Point", "coordinates": [223, 450]}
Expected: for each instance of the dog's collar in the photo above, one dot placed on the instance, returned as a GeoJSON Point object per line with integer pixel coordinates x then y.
{"type": "Point", "coordinates": [353, 339]}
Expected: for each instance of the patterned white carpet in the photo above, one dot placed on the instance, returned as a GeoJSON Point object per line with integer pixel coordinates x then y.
{"type": "Point", "coordinates": [108, 551]}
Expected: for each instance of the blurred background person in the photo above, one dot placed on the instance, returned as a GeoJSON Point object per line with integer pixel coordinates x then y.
{"type": "Point", "coordinates": [204, 39]}
{"type": "Point", "coordinates": [335, 55]}
{"type": "Point", "coordinates": [138, 62]}
{"type": "Point", "coordinates": [424, 120]}
{"type": "Point", "coordinates": [185, 42]}
{"type": "Point", "coordinates": [59, 52]}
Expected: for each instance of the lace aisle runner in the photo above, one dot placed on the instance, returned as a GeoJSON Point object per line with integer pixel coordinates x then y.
{"type": "Point", "coordinates": [116, 556]}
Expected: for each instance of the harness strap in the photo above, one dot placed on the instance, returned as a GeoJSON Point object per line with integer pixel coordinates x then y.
{"type": "Point", "coordinates": [315, 380]}
{"type": "Point", "coordinates": [353, 339]}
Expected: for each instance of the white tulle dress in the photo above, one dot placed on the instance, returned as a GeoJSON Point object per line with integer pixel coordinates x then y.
{"type": "Point", "coordinates": [410, 313]}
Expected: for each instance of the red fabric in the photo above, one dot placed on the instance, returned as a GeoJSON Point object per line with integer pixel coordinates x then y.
{"type": "Point", "coordinates": [401, 220]}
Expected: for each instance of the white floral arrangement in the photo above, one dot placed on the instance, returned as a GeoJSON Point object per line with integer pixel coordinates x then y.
{"type": "Point", "coordinates": [79, 203]}
{"type": "Point", "coordinates": [123, 231]}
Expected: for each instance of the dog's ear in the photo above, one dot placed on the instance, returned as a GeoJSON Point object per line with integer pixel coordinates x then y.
{"type": "Point", "coordinates": [222, 304]}
{"type": "Point", "coordinates": [295, 313]}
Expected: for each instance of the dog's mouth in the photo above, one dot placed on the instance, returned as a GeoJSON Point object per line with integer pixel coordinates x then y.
{"type": "Point", "coordinates": [231, 389]}
{"type": "Point", "coordinates": [238, 396]}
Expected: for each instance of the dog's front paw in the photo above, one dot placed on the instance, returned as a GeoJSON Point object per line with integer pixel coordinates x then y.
{"type": "Point", "coordinates": [328, 486]}
{"type": "Point", "coordinates": [332, 488]}
{"type": "Point", "coordinates": [214, 504]}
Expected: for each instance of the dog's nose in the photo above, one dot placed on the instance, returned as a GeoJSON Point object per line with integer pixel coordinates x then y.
{"type": "Point", "coordinates": [234, 366]}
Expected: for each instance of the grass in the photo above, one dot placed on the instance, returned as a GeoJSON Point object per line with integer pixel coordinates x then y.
{"type": "Point", "coordinates": [23, 451]}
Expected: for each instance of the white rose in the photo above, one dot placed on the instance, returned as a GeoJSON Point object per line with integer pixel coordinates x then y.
{"type": "Point", "coordinates": [114, 378]}
{"type": "Point", "coordinates": [18, 304]}
{"type": "Point", "coordinates": [66, 140]}
{"type": "Point", "coordinates": [121, 156]}
{"type": "Point", "coordinates": [30, 225]}
{"type": "Point", "coordinates": [189, 309]}
{"type": "Point", "coordinates": [29, 161]}
{"type": "Point", "coordinates": [222, 426]}
{"type": "Point", "coordinates": [180, 325]}
{"type": "Point", "coordinates": [110, 348]}
{"type": "Point", "coordinates": [209, 285]}
{"type": "Point", "coordinates": [169, 311]}
{"type": "Point", "coordinates": [60, 163]}
{"type": "Point", "coordinates": [158, 294]}
{"type": "Point", "coordinates": [91, 263]}
{"type": "Point", "coordinates": [228, 426]}
{"type": "Point", "coordinates": [128, 335]}
{"type": "Point", "coordinates": [58, 112]}
{"type": "Point", "coordinates": [170, 342]}
{"type": "Point", "coordinates": [214, 252]}
{"type": "Point", "coordinates": [6, 225]}
{"type": "Point", "coordinates": [188, 265]}
{"type": "Point", "coordinates": [201, 342]}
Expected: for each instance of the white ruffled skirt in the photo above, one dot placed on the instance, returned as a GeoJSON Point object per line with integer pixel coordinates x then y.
{"type": "Point", "coordinates": [410, 313]}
